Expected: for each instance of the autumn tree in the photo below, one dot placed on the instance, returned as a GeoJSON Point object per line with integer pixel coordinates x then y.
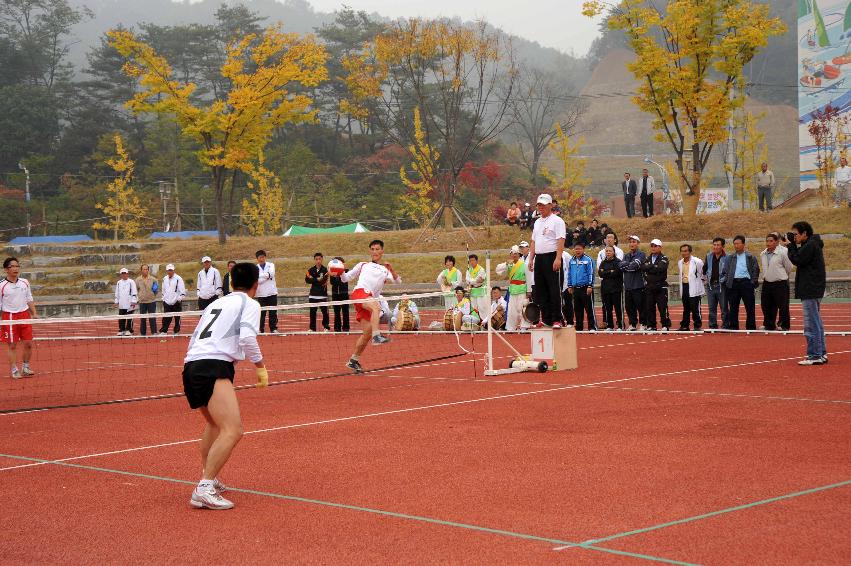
{"type": "Point", "coordinates": [826, 129]}
{"type": "Point", "coordinates": [460, 77]}
{"type": "Point", "coordinates": [689, 55]}
{"type": "Point", "coordinates": [418, 202]}
{"type": "Point", "coordinates": [261, 71]}
{"type": "Point", "coordinates": [122, 206]}
{"type": "Point", "coordinates": [484, 180]}
{"type": "Point", "coordinates": [568, 190]}
{"type": "Point", "coordinates": [751, 152]}
{"type": "Point", "coordinates": [262, 212]}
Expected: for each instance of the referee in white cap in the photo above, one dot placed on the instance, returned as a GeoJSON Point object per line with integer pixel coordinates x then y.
{"type": "Point", "coordinates": [545, 261]}
{"type": "Point", "coordinates": [174, 291]}
{"type": "Point", "coordinates": [209, 283]}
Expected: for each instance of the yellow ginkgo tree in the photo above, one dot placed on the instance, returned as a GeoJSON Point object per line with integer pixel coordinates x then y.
{"type": "Point", "coordinates": [418, 202]}
{"type": "Point", "coordinates": [122, 207]}
{"type": "Point", "coordinates": [689, 54]}
{"type": "Point", "coordinates": [568, 191]}
{"type": "Point", "coordinates": [263, 210]}
{"type": "Point", "coordinates": [265, 75]}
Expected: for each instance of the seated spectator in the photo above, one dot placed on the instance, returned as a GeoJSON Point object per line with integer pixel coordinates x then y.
{"type": "Point", "coordinates": [526, 216]}
{"type": "Point", "coordinates": [397, 321]}
{"type": "Point", "coordinates": [595, 235]}
{"type": "Point", "coordinates": [556, 208]}
{"type": "Point", "coordinates": [512, 217]}
{"type": "Point", "coordinates": [583, 234]}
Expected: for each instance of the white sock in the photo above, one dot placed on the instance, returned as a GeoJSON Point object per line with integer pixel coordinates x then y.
{"type": "Point", "coordinates": [205, 484]}
{"type": "Point", "coordinates": [376, 333]}
{"type": "Point", "coordinates": [355, 357]}
{"type": "Point", "coordinates": [26, 365]}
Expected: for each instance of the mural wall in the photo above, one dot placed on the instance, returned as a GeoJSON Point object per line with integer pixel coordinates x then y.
{"type": "Point", "coordinates": [824, 75]}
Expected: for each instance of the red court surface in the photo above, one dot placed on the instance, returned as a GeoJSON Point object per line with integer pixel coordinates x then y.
{"type": "Point", "coordinates": [671, 448]}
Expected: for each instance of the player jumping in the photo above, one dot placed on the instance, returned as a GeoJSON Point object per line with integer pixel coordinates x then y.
{"type": "Point", "coordinates": [371, 278]}
{"type": "Point", "coordinates": [226, 333]}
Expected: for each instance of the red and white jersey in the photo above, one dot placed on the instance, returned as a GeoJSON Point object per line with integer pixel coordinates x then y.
{"type": "Point", "coordinates": [15, 296]}
{"type": "Point", "coordinates": [371, 277]}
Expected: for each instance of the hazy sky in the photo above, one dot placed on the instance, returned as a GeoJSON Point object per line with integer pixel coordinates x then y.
{"type": "Point", "coordinates": [552, 23]}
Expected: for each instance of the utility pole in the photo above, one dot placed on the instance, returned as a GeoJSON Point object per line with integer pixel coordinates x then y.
{"type": "Point", "coordinates": [203, 220]}
{"type": "Point", "coordinates": [26, 194]}
{"type": "Point", "coordinates": [177, 224]}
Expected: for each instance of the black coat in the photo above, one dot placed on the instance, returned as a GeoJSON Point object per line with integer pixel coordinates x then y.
{"type": "Point", "coordinates": [317, 278]}
{"type": "Point", "coordinates": [811, 278]}
{"type": "Point", "coordinates": [655, 274]}
{"type": "Point", "coordinates": [339, 289]}
{"type": "Point", "coordinates": [611, 276]}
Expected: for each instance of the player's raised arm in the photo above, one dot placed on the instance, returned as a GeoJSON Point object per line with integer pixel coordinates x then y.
{"type": "Point", "coordinates": [351, 274]}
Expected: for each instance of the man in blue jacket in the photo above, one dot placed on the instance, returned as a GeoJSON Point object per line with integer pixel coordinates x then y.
{"type": "Point", "coordinates": [716, 294]}
{"type": "Point", "coordinates": [633, 285]}
{"type": "Point", "coordinates": [580, 286]}
{"type": "Point", "coordinates": [740, 276]}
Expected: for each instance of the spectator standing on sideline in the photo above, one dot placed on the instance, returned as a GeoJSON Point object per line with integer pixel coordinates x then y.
{"type": "Point", "coordinates": [449, 279]}
{"type": "Point", "coordinates": [765, 185]}
{"type": "Point", "coordinates": [209, 283]}
{"type": "Point", "coordinates": [580, 286]}
{"type": "Point", "coordinates": [340, 292]}
{"type": "Point", "coordinates": [148, 289]}
{"type": "Point", "coordinates": [16, 303]}
{"type": "Point", "coordinates": [713, 267]}
{"type": "Point", "coordinates": [126, 297]}
{"type": "Point", "coordinates": [655, 269]}
{"type": "Point", "coordinates": [475, 278]}
{"type": "Point", "coordinates": [526, 216]}
{"type": "Point", "coordinates": [611, 288]}
{"type": "Point", "coordinates": [648, 185]}
{"type": "Point", "coordinates": [610, 243]}
{"type": "Point", "coordinates": [545, 260]}
{"type": "Point", "coordinates": [226, 286]}
{"type": "Point", "coordinates": [317, 278]}
{"type": "Point", "coordinates": [776, 268]}
{"type": "Point", "coordinates": [741, 277]}
{"type": "Point", "coordinates": [805, 251]}
{"type": "Point", "coordinates": [629, 189]}
{"type": "Point", "coordinates": [512, 215]}
{"type": "Point", "coordinates": [174, 291]}
{"type": "Point", "coordinates": [518, 290]}
{"type": "Point", "coordinates": [267, 292]}
{"type": "Point", "coordinates": [691, 287]}
{"type": "Point", "coordinates": [633, 283]}
{"type": "Point", "coordinates": [566, 298]}
{"type": "Point", "coordinates": [843, 182]}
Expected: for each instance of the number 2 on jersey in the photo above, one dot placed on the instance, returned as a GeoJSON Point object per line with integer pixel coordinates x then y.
{"type": "Point", "coordinates": [206, 332]}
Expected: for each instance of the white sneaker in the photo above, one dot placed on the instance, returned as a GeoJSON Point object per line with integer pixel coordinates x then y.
{"type": "Point", "coordinates": [631, 328]}
{"type": "Point", "coordinates": [209, 499]}
{"type": "Point", "coordinates": [811, 362]}
{"type": "Point", "coordinates": [27, 372]}
{"type": "Point", "coordinates": [15, 373]}
{"type": "Point", "coordinates": [120, 333]}
{"type": "Point", "coordinates": [219, 486]}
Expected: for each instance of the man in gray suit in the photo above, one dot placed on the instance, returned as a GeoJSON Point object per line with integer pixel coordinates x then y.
{"type": "Point", "coordinates": [630, 189]}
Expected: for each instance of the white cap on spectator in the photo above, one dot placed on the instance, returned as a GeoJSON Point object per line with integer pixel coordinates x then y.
{"type": "Point", "coordinates": [123, 270]}
{"type": "Point", "coordinates": [636, 238]}
{"type": "Point", "coordinates": [524, 244]}
{"type": "Point", "coordinates": [528, 204]}
{"type": "Point", "coordinates": [169, 267]}
{"type": "Point", "coordinates": [205, 258]}
{"type": "Point", "coordinates": [656, 242]}
{"type": "Point", "coordinates": [544, 198]}
{"type": "Point", "coordinates": [515, 249]}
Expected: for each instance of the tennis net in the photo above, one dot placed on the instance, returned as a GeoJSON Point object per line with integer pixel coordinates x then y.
{"type": "Point", "coordinates": [82, 362]}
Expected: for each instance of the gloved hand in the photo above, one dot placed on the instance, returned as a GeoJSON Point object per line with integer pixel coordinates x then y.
{"type": "Point", "coordinates": [262, 377]}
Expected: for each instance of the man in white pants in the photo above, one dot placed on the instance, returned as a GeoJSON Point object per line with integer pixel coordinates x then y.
{"type": "Point", "coordinates": [126, 298]}
{"type": "Point", "coordinates": [209, 283]}
{"type": "Point", "coordinates": [517, 272]}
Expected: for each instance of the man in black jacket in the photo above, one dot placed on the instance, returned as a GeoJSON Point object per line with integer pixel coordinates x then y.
{"type": "Point", "coordinates": [317, 278]}
{"type": "Point", "coordinates": [805, 251]}
{"type": "Point", "coordinates": [655, 269]}
{"type": "Point", "coordinates": [633, 284]}
{"type": "Point", "coordinates": [611, 289]}
{"type": "Point", "coordinates": [340, 292]}
{"type": "Point", "coordinates": [741, 277]}
{"type": "Point", "coordinates": [630, 189]}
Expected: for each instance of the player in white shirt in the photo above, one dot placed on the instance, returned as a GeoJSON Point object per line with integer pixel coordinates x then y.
{"type": "Point", "coordinates": [267, 291]}
{"type": "Point", "coordinates": [209, 283]}
{"type": "Point", "coordinates": [226, 333]}
{"type": "Point", "coordinates": [174, 291]}
{"type": "Point", "coordinates": [126, 297]}
{"type": "Point", "coordinates": [16, 303]}
{"type": "Point", "coordinates": [371, 278]}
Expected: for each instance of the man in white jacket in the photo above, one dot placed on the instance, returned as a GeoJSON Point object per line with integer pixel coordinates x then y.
{"type": "Point", "coordinates": [646, 186]}
{"type": "Point", "coordinates": [174, 291]}
{"type": "Point", "coordinates": [691, 287]}
{"type": "Point", "coordinates": [609, 241]}
{"type": "Point", "coordinates": [126, 297]}
{"type": "Point", "coordinates": [267, 292]}
{"type": "Point", "coordinates": [209, 283]}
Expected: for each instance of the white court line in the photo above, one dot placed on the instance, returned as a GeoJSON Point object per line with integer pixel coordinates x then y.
{"type": "Point", "coordinates": [423, 408]}
{"type": "Point", "coordinates": [717, 394]}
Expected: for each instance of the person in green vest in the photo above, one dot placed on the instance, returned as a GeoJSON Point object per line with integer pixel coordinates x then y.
{"type": "Point", "coordinates": [448, 279]}
{"type": "Point", "coordinates": [476, 279]}
{"type": "Point", "coordinates": [518, 289]}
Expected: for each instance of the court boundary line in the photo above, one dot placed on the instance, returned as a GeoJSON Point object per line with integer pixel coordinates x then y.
{"type": "Point", "coordinates": [722, 394]}
{"type": "Point", "coordinates": [370, 510]}
{"type": "Point", "coordinates": [712, 514]}
{"type": "Point", "coordinates": [422, 408]}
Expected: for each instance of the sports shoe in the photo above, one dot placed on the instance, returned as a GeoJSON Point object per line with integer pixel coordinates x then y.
{"type": "Point", "coordinates": [811, 362]}
{"type": "Point", "coordinates": [631, 328]}
{"type": "Point", "coordinates": [556, 325]}
{"type": "Point", "coordinates": [15, 373]}
{"type": "Point", "coordinates": [120, 333]}
{"type": "Point", "coordinates": [378, 339]}
{"type": "Point", "coordinates": [355, 366]}
{"type": "Point", "coordinates": [824, 359]}
{"type": "Point", "coordinates": [209, 499]}
{"type": "Point", "coordinates": [27, 372]}
{"type": "Point", "coordinates": [219, 486]}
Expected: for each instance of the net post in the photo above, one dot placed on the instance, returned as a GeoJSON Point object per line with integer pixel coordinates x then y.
{"type": "Point", "coordinates": [490, 322]}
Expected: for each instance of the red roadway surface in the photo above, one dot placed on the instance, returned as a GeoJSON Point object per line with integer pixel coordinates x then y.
{"type": "Point", "coordinates": [572, 464]}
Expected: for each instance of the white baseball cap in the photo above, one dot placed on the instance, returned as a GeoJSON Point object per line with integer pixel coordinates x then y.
{"type": "Point", "coordinates": [528, 204]}
{"type": "Point", "coordinates": [524, 244]}
{"type": "Point", "coordinates": [169, 267]}
{"type": "Point", "coordinates": [515, 249]}
{"type": "Point", "coordinates": [205, 258]}
{"type": "Point", "coordinates": [123, 270]}
{"type": "Point", "coordinates": [656, 242]}
{"type": "Point", "coordinates": [636, 238]}
{"type": "Point", "coordinates": [544, 198]}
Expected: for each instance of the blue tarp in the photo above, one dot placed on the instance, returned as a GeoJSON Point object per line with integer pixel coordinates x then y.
{"type": "Point", "coordinates": [24, 240]}
{"type": "Point", "coordinates": [186, 234]}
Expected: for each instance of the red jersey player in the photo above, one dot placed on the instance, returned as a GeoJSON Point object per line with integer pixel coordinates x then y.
{"type": "Point", "coordinates": [371, 278]}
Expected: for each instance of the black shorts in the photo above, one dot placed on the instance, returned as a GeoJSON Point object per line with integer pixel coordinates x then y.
{"type": "Point", "coordinates": [199, 378]}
